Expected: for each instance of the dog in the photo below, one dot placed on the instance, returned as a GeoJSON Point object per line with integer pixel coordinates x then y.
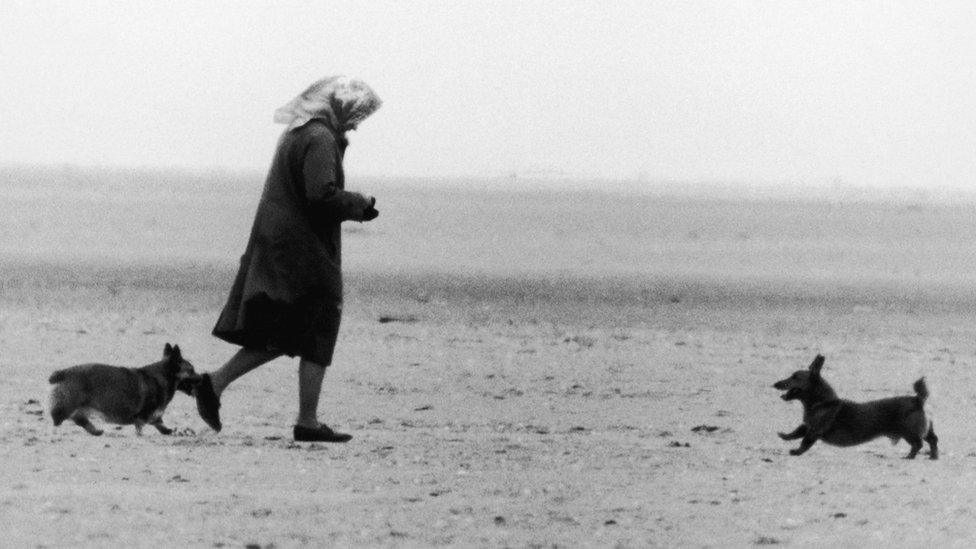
{"type": "Point", "coordinates": [845, 423]}
{"type": "Point", "coordinates": [126, 396]}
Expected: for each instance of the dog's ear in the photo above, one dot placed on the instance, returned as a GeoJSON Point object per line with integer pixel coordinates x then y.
{"type": "Point", "coordinates": [172, 354]}
{"type": "Point", "coordinates": [174, 360]}
{"type": "Point", "coordinates": [816, 365]}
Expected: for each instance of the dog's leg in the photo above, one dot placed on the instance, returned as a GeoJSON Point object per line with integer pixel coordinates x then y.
{"type": "Point", "coordinates": [797, 433]}
{"type": "Point", "coordinates": [138, 424]}
{"type": "Point", "coordinates": [916, 444]}
{"type": "Point", "coordinates": [158, 424]}
{"type": "Point", "coordinates": [933, 443]}
{"type": "Point", "coordinates": [82, 421]}
{"type": "Point", "coordinates": [58, 415]}
{"type": "Point", "coordinates": [805, 444]}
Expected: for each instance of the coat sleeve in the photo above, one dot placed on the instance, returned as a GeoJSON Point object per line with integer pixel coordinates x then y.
{"type": "Point", "coordinates": [326, 200]}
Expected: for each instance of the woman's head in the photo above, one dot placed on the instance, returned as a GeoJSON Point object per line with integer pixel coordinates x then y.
{"type": "Point", "coordinates": [341, 100]}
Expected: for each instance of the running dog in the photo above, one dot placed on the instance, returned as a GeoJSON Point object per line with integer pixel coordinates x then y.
{"type": "Point", "coordinates": [845, 423]}
{"type": "Point", "coordinates": [126, 396]}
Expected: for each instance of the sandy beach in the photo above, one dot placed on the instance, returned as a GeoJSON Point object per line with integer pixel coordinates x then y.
{"type": "Point", "coordinates": [519, 369]}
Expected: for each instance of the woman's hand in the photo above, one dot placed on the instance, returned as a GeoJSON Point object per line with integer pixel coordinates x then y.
{"type": "Point", "coordinates": [371, 213]}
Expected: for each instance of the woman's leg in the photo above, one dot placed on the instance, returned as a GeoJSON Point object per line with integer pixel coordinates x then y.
{"type": "Point", "coordinates": [208, 391]}
{"type": "Point", "coordinates": [310, 376]}
{"type": "Point", "coordinates": [307, 426]}
{"type": "Point", "coordinates": [241, 363]}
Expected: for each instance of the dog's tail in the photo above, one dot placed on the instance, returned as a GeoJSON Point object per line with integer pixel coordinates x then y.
{"type": "Point", "coordinates": [57, 377]}
{"type": "Point", "coordinates": [921, 390]}
{"type": "Point", "coordinates": [66, 396]}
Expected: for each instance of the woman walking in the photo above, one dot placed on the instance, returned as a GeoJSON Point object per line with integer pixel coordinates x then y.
{"type": "Point", "coordinates": [287, 296]}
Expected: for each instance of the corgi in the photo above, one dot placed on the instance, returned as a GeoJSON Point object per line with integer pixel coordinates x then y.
{"type": "Point", "coordinates": [125, 396]}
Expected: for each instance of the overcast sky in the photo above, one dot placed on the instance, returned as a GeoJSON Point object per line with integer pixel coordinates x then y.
{"type": "Point", "coordinates": [773, 92]}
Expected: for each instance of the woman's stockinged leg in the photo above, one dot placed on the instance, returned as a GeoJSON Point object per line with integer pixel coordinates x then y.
{"type": "Point", "coordinates": [241, 363]}
{"type": "Point", "coordinates": [310, 376]}
{"type": "Point", "coordinates": [307, 427]}
{"type": "Point", "coordinates": [208, 390]}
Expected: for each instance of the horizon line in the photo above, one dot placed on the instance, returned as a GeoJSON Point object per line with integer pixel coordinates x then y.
{"type": "Point", "coordinates": [824, 188]}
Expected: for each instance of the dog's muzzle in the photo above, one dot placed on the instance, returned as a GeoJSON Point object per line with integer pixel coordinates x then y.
{"type": "Point", "coordinates": [188, 384]}
{"type": "Point", "coordinates": [791, 394]}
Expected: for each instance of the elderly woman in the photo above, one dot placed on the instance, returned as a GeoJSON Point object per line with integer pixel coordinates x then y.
{"type": "Point", "coordinates": [287, 296]}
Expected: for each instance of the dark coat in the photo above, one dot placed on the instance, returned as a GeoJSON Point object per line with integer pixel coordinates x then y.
{"type": "Point", "coordinates": [287, 295]}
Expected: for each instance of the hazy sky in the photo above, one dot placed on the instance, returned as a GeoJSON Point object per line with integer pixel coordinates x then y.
{"type": "Point", "coordinates": [867, 93]}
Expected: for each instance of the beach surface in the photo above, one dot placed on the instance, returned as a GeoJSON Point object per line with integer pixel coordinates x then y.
{"type": "Point", "coordinates": [524, 368]}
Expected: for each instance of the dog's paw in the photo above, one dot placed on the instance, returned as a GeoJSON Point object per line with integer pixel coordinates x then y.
{"type": "Point", "coordinates": [185, 432]}
{"type": "Point", "coordinates": [796, 452]}
{"type": "Point", "coordinates": [783, 436]}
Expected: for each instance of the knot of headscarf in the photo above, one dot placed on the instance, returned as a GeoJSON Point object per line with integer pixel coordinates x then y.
{"type": "Point", "coordinates": [342, 101]}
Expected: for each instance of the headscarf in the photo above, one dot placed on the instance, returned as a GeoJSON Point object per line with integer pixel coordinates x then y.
{"type": "Point", "coordinates": [342, 101]}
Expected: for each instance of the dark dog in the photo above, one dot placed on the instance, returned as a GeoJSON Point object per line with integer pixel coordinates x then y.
{"type": "Point", "coordinates": [126, 396]}
{"type": "Point", "coordinates": [845, 423]}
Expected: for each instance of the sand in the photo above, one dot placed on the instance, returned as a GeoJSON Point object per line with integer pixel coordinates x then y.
{"type": "Point", "coordinates": [554, 402]}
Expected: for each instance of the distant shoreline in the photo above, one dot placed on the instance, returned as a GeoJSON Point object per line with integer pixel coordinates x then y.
{"type": "Point", "coordinates": [532, 289]}
{"type": "Point", "coordinates": [87, 228]}
{"type": "Point", "coordinates": [831, 191]}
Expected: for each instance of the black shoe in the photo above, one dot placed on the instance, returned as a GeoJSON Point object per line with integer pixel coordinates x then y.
{"type": "Point", "coordinates": [208, 403]}
{"type": "Point", "coordinates": [322, 433]}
